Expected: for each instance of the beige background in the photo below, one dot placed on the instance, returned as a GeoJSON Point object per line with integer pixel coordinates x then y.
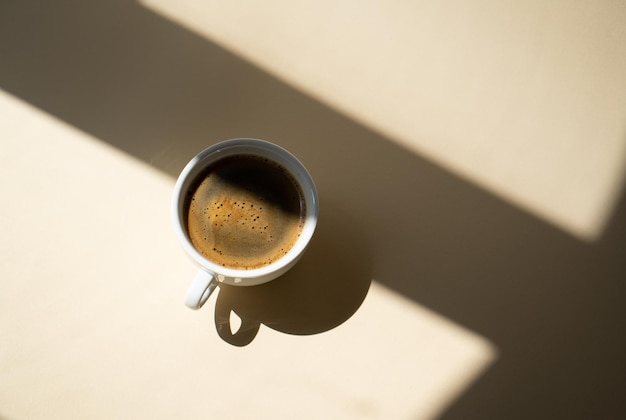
{"type": "Point", "coordinates": [526, 99]}
{"type": "Point", "coordinates": [444, 299]}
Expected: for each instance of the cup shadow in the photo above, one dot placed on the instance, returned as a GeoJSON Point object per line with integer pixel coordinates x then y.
{"type": "Point", "coordinates": [323, 290]}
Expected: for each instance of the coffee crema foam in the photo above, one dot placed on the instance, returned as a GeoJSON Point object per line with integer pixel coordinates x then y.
{"type": "Point", "coordinates": [245, 212]}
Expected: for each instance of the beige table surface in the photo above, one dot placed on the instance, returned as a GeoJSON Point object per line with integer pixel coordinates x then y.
{"type": "Point", "coordinates": [93, 325]}
{"type": "Point", "coordinates": [524, 98]}
{"type": "Point", "coordinates": [469, 261]}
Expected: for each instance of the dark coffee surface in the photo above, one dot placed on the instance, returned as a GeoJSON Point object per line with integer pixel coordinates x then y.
{"type": "Point", "coordinates": [245, 212]}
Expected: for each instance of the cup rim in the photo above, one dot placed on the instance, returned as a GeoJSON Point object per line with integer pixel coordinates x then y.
{"type": "Point", "coordinates": [220, 150]}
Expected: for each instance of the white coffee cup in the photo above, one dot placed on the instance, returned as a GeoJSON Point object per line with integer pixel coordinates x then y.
{"type": "Point", "coordinates": [211, 274]}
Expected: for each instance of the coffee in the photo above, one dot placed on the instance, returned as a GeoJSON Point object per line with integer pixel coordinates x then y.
{"type": "Point", "coordinates": [244, 212]}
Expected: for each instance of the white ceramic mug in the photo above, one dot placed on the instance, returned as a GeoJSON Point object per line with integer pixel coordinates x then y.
{"type": "Point", "coordinates": [210, 273]}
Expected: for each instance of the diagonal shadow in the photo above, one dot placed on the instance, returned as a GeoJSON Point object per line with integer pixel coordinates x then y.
{"type": "Point", "coordinates": [552, 305]}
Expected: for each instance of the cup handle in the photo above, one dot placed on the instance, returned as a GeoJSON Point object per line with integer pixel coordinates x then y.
{"type": "Point", "coordinates": [200, 289]}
